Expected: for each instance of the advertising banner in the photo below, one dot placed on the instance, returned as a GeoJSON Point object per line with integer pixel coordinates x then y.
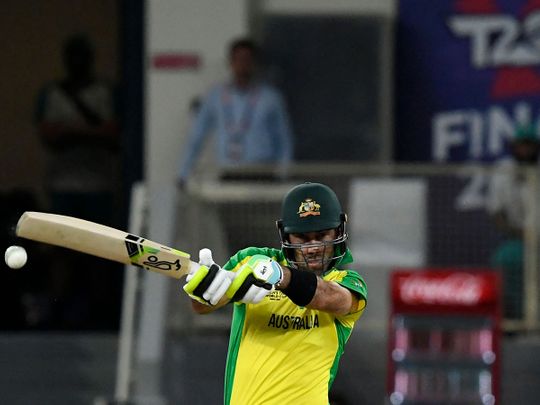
{"type": "Point", "coordinates": [467, 76]}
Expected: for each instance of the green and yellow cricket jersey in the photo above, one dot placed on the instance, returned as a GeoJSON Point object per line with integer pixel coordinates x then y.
{"type": "Point", "coordinates": [280, 353]}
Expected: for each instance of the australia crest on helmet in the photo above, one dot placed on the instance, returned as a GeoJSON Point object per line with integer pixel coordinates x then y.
{"type": "Point", "coordinates": [309, 207]}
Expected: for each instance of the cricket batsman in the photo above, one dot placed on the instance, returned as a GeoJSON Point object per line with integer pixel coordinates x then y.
{"type": "Point", "coordinates": [294, 307]}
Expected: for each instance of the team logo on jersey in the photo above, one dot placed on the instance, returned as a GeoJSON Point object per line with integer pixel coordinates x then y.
{"type": "Point", "coordinates": [309, 207]}
{"type": "Point", "coordinates": [275, 295]}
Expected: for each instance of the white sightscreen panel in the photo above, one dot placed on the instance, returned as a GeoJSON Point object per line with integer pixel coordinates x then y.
{"type": "Point", "coordinates": [387, 222]}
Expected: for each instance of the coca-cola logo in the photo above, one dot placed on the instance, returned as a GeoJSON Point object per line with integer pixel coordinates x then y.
{"type": "Point", "coordinates": [454, 289]}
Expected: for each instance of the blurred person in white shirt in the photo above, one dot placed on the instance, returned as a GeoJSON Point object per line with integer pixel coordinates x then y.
{"type": "Point", "coordinates": [508, 203]}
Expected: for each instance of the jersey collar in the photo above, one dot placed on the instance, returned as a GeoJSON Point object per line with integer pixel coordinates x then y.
{"type": "Point", "coordinates": [346, 259]}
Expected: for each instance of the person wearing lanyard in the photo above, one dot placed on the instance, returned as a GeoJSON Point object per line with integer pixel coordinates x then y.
{"type": "Point", "coordinates": [247, 116]}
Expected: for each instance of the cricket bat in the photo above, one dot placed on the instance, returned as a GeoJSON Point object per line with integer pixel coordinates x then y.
{"type": "Point", "coordinates": [105, 242]}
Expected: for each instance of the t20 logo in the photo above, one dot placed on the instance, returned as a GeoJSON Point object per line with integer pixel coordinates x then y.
{"type": "Point", "coordinates": [498, 40]}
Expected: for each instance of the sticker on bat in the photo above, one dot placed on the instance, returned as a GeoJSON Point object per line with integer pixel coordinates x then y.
{"type": "Point", "coordinates": [154, 262]}
{"type": "Point", "coordinates": [134, 245]}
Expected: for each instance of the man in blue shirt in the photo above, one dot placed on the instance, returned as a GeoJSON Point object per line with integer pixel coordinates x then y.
{"type": "Point", "coordinates": [248, 118]}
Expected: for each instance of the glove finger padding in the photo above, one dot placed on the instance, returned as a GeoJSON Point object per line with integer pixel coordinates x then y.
{"type": "Point", "coordinates": [255, 294]}
{"type": "Point", "coordinates": [219, 286]}
{"type": "Point", "coordinates": [200, 281]}
{"type": "Point", "coordinates": [261, 293]}
{"type": "Point", "coordinates": [255, 279]}
{"type": "Point", "coordinates": [205, 257]}
{"type": "Point", "coordinates": [252, 293]}
{"type": "Point", "coordinates": [208, 284]}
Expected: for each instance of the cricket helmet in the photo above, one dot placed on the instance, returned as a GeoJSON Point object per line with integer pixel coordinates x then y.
{"type": "Point", "coordinates": [312, 207]}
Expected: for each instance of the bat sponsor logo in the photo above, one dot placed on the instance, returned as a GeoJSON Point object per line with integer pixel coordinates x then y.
{"type": "Point", "coordinates": [134, 245]}
{"type": "Point", "coordinates": [136, 250]}
{"type": "Point", "coordinates": [154, 262]}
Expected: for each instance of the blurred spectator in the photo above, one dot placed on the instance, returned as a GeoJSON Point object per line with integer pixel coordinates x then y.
{"type": "Point", "coordinates": [247, 116]}
{"type": "Point", "coordinates": [76, 121]}
{"type": "Point", "coordinates": [508, 196]}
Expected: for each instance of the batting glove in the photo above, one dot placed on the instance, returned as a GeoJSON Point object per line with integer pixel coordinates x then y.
{"type": "Point", "coordinates": [255, 279]}
{"type": "Point", "coordinates": [209, 282]}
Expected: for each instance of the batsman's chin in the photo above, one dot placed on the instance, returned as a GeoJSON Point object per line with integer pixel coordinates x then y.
{"type": "Point", "coordinates": [315, 265]}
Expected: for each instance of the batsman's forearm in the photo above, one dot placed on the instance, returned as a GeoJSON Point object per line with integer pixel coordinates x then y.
{"type": "Point", "coordinates": [206, 309]}
{"type": "Point", "coordinates": [329, 296]}
{"type": "Point", "coordinates": [333, 298]}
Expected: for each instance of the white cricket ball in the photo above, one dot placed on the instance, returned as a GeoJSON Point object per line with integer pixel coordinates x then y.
{"type": "Point", "coordinates": [15, 257]}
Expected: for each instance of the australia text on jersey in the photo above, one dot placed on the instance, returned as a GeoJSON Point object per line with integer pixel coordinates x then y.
{"type": "Point", "coordinates": [293, 322]}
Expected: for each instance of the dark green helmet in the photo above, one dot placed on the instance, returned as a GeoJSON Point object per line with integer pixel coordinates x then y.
{"type": "Point", "coordinates": [311, 207]}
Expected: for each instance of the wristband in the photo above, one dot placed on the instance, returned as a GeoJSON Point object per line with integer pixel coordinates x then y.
{"type": "Point", "coordinates": [302, 287]}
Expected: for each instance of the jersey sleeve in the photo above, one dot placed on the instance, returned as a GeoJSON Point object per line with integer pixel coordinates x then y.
{"type": "Point", "coordinates": [354, 283]}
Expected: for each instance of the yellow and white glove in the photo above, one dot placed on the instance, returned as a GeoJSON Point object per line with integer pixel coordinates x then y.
{"type": "Point", "coordinates": [209, 283]}
{"type": "Point", "coordinates": [255, 279]}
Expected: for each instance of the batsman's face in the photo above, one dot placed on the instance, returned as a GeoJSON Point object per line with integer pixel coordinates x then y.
{"type": "Point", "coordinates": [318, 248]}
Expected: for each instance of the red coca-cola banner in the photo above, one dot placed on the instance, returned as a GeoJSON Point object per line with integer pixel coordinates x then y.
{"type": "Point", "coordinates": [445, 289]}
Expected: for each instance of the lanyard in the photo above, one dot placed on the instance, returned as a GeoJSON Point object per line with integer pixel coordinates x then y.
{"type": "Point", "coordinates": [238, 130]}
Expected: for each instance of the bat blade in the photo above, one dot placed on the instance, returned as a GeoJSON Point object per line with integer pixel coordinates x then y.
{"type": "Point", "coordinates": [103, 241]}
